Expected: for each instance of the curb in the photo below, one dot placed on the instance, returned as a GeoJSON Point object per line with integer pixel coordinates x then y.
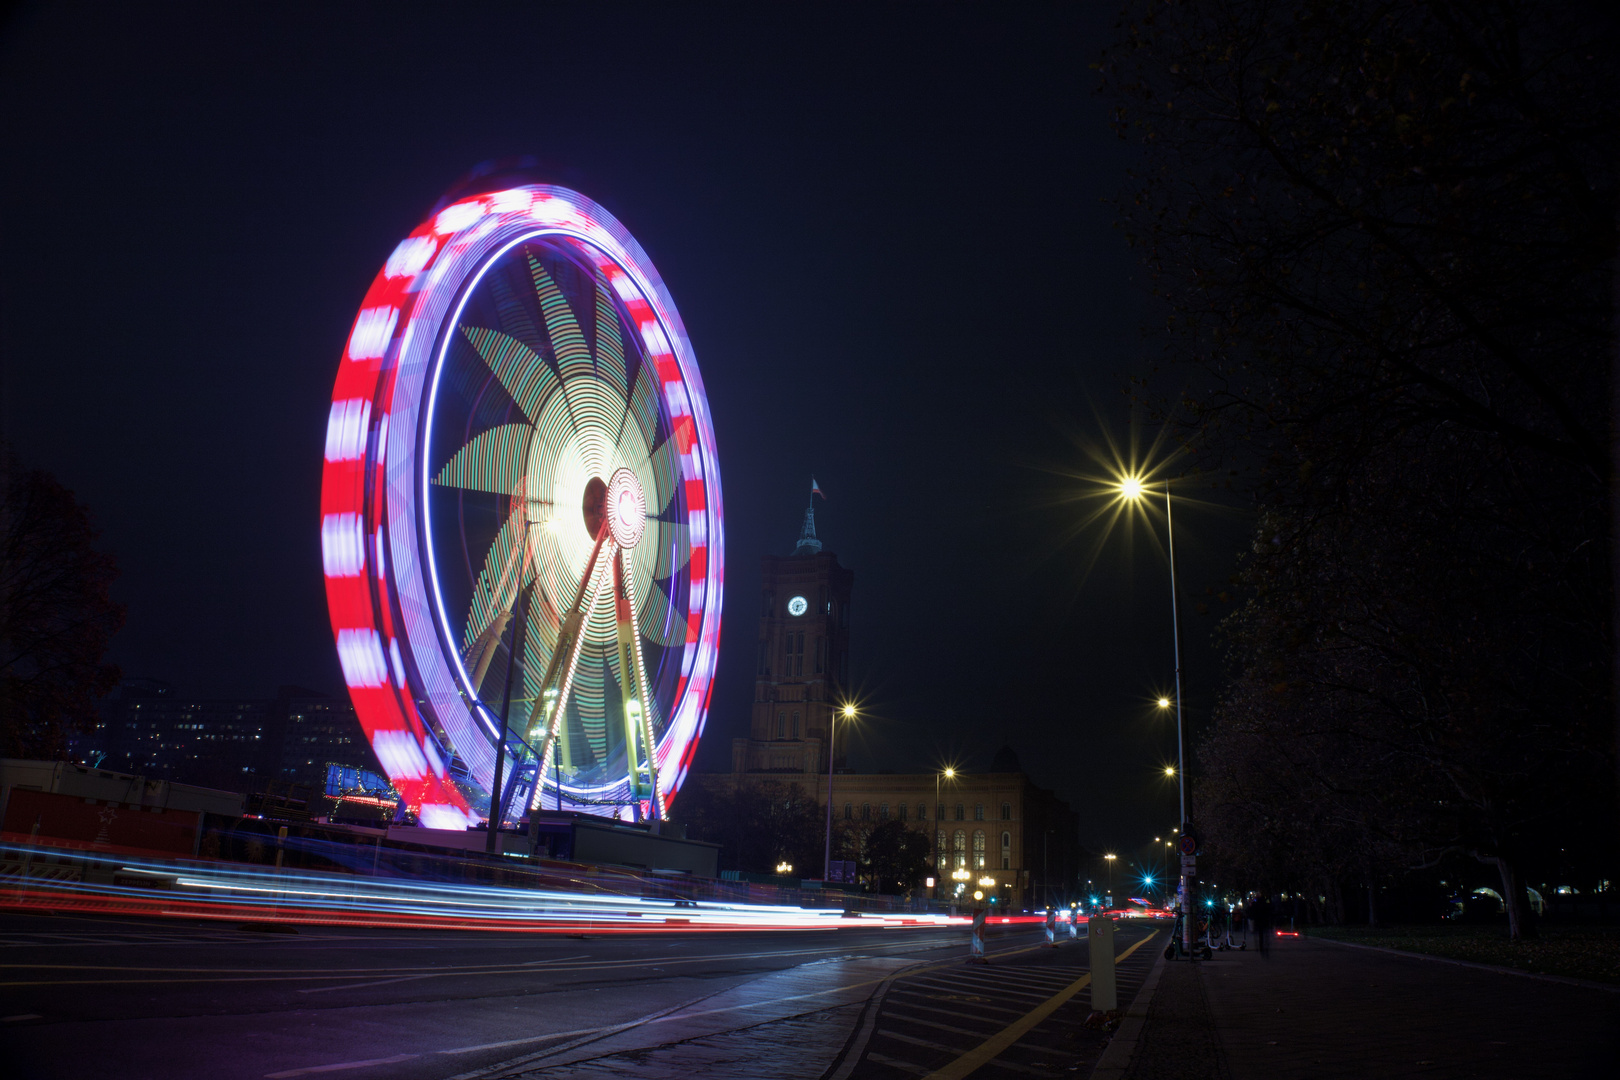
{"type": "Point", "coordinates": [1116, 1057]}
{"type": "Point", "coordinates": [1584, 984]}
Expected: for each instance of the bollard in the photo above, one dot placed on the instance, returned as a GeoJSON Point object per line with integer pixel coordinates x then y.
{"type": "Point", "coordinates": [1104, 990]}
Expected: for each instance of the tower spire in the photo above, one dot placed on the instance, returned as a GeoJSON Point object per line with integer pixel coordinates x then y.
{"type": "Point", "coordinates": [808, 544]}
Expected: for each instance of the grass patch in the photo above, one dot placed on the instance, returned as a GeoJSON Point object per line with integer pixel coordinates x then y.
{"type": "Point", "coordinates": [1578, 952]}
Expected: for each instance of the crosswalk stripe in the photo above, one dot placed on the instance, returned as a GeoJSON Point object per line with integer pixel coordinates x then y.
{"type": "Point", "coordinates": [904, 1018]}
{"type": "Point", "coordinates": [914, 1041]}
{"type": "Point", "coordinates": [949, 1012]}
{"type": "Point", "coordinates": [896, 1063]}
{"type": "Point", "coordinates": [991, 990]}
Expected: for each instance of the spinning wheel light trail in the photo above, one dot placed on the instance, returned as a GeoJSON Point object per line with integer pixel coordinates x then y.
{"type": "Point", "coordinates": [517, 358]}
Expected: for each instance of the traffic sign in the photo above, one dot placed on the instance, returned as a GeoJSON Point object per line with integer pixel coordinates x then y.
{"type": "Point", "coordinates": [1189, 863]}
{"type": "Point", "coordinates": [1189, 844]}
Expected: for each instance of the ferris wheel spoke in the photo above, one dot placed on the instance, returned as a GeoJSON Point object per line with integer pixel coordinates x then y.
{"type": "Point", "coordinates": [610, 346]}
{"type": "Point", "coordinates": [641, 752]}
{"type": "Point", "coordinates": [643, 405]}
{"type": "Point", "coordinates": [522, 372]}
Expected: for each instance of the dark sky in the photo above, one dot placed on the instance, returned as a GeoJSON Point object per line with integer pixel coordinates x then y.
{"type": "Point", "coordinates": [887, 235]}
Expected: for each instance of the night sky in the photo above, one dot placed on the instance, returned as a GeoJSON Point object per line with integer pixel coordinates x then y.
{"type": "Point", "coordinates": [886, 232]}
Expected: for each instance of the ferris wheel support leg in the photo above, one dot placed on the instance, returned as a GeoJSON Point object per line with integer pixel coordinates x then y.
{"type": "Point", "coordinates": [559, 680]}
{"type": "Point", "coordinates": [639, 749]}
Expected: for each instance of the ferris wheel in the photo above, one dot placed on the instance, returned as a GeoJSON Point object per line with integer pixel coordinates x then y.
{"type": "Point", "coordinates": [521, 516]}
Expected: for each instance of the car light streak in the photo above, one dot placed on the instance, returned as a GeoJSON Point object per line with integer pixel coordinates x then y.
{"type": "Point", "coordinates": [187, 889]}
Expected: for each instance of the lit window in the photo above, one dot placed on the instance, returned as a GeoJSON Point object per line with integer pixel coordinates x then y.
{"type": "Point", "coordinates": [978, 849]}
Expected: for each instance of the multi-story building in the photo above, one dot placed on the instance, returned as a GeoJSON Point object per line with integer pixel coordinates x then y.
{"type": "Point", "coordinates": [145, 729]}
{"type": "Point", "coordinates": [997, 824]}
{"type": "Point", "coordinates": [236, 744]}
{"type": "Point", "coordinates": [317, 731]}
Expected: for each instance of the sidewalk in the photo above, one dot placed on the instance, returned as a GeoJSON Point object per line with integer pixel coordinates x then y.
{"type": "Point", "coordinates": [1328, 1012]}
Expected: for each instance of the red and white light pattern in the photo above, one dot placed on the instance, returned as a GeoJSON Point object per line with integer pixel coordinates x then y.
{"type": "Point", "coordinates": [379, 587]}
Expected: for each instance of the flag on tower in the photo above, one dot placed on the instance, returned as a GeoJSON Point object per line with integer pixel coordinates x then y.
{"type": "Point", "coordinates": [814, 489]}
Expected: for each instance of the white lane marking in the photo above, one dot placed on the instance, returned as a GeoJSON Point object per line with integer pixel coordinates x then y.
{"type": "Point", "coordinates": [979, 1008]}
{"type": "Point", "coordinates": [896, 1063]}
{"type": "Point", "coordinates": [991, 990]}
{"type": "Point", "coordinates": [342, 1065]}
{"type": "Point", "coordinates": [361, 986]}
{"type": "Point", "coordinates": [956, 1029]}
{"type": "Point", "coordinates": [556, 960]}
{"type": "Point", "coordinates": [20, 1016]}
{"type": "Point", "coordinates": [885, 1034]}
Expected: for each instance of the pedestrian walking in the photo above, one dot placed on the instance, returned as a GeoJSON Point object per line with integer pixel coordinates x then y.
{"type": "Point", "coordinates": [1262, 924]}
{"type": "Point", "coordinates": [977, 956]}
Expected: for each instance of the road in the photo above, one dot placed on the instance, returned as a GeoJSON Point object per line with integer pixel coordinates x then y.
{"type": "Point", "coordinates": [102, 996]}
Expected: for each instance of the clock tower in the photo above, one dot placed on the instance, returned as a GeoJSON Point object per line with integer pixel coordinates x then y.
{"type": "Point", "coordinates": [801, 663]}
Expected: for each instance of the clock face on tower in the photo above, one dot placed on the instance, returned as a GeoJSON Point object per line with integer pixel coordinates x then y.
{"type": "Point", "coordinates": [798, 606]}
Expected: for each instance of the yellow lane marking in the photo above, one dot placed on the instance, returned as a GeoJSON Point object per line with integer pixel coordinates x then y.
{"type": "Point", "coordinates": [994, 1046]}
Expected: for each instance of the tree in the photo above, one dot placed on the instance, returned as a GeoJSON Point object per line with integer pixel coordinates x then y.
{"type": "Point", "coordinates": [56, 616]}
{"type": "Point", "coordinates": [895, 855]}
{"type": "Point", "coordinates": [757, 825]}
{"type": "Point", "coordinates": [1385, 237]}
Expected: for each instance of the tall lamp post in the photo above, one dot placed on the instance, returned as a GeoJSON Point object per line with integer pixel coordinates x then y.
{"type": "Point", "coordinates": [1110, 860]}
{"type": "Point", "coordinates": [832, 729]}
{"type": "Point", "coordinates": [1132, 489]}
{"type": "Point", "coordinates": [948, 773]}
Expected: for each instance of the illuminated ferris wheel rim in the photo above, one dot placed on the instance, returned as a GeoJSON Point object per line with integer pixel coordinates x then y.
{"type": "Point", "coordinates": [373, 489]}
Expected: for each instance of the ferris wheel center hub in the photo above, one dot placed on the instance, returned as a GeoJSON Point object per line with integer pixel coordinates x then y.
{"type": "Point", "coordinates": [619, 504]}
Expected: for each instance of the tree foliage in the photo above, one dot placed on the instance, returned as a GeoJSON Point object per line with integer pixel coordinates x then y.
{"type": "Point", "coordinates": [56, 615]}
{"type": "Point", "coordinates": [757, 825]}
{"type": "Point", "coordinates": [1385, 236]}
{"type": "Point", "coordinates": [895, 857]}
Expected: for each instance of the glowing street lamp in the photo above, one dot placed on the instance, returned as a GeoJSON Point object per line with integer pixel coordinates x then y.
{"type": "Point", "coordinates": [949, 773]}
{"type": "Point", "coordinates": [1110, 859]}
{"type": "Point", "coordinates": [1132, 489]}
{"type": "Point", "coordinates": [832, 726]}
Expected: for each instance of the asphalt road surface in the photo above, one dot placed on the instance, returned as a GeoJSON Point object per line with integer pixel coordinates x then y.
{"type": "Point", "coordinates": [99, 997]}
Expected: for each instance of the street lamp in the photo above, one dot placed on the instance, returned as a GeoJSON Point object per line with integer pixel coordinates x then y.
{"type": "Point", "coordinates": [832, 727]}
{"type": "Point", "coordinates": [1132, 489]}
{"type": "Point", "coordinates": [948, 773]}
{"type": "Point", "coordinates": [1110, 859]}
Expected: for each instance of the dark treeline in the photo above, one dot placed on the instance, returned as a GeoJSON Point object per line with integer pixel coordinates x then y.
{"type": "Point", "coordinates": [760, 825]}
{"type": "Point", "coordinates": [57, 616]}
{"type": "Point", "coordinates": [1384, 237]}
